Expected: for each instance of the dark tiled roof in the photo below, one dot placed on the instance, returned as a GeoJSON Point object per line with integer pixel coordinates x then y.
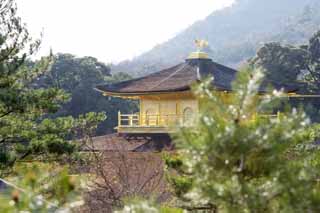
{"type": "Point", "coordinates": [129, 143]}
{"type": "Point", "coordinates": [181, 77]}
{"type": "Point", "coordinates": [177, 78]}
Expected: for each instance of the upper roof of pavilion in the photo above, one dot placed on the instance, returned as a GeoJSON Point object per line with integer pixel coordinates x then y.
{"type": "Point", "coordinates": [181, 77]}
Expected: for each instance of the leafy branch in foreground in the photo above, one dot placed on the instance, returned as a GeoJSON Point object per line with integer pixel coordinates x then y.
{"type": "Point", "coordinates": [237, 159]}
{"type": "Point", "coordinates": [41, 188]}
{"type": "Point", "coordinates": [234, 160]}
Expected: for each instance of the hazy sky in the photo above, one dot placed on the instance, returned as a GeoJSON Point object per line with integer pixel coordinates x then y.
{"type": "Point", "coordinates": [111, 30]}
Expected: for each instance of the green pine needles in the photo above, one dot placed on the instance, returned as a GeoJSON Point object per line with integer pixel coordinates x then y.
{"type": "Point", "coordinates": [237, 159]}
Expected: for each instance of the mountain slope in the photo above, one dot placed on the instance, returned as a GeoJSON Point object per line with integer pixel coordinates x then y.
{"type": "Point", "coordinates": [234, 33]}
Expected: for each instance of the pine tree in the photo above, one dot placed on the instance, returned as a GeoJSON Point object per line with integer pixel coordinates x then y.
{"type": "Point", "coordinates": [24, 133]}
{"type": "Point", "coordinates": [237, 159]}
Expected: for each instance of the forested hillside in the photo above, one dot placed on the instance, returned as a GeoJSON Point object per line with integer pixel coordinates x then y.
{"type": "Point", "coordinates": [234, 33]}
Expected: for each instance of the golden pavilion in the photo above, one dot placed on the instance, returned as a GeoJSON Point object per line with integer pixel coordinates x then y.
{"type": "Point", "coordinates": [165, 97]}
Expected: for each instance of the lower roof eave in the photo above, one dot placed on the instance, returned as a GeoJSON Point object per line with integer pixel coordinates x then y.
{"type": "Point", "coordinates": [137, 94]}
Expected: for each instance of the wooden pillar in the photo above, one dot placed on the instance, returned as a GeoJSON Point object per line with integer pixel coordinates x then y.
{"type": "Point", "coordinates": [130, 120]}
{"type": "Point", "coordinates": [141, 111]}
{"type": "Point", "coordinates": [159, 113]}
{"type": "Point", "coordinates": [178, 112]}
{"type": "Point", "coordinates": [119, 119]}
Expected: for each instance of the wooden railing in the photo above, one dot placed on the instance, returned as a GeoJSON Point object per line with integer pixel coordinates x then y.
{"type": "Point", "coordinates": [168, 120]}
{"type": "Point", "coordinates": [128, 120]}
{"type": "Point", "coordinates": [144, 120]}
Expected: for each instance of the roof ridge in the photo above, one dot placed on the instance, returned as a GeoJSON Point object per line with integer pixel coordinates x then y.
{"type": "Point", "coordinates": [136, 79]}
{"type": "Point", "coordinates": [228, 69]}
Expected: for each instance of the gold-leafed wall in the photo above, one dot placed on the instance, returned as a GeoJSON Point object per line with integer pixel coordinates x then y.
{"type": "Point", "coordinates": [167, 109]}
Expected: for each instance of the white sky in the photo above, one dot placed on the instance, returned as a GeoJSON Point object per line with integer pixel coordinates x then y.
{"type": "Point", "coordinates": [111, 30]}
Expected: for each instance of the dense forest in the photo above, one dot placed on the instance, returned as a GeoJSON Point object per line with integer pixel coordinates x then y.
{"type": "Point", "coordinates": [234, 33]}
{"type": "Point", "coordinates": [78, 77]}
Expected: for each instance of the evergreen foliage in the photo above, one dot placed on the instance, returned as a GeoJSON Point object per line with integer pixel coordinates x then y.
{"type": "Point", "coordinates": [236, 160]}
{"type": "Point", "coordinates": [287, 63]}
{"type": "Point", "coordinates": [313, 63]}
{"type": "Point", "coordinates": [78, 77]}
{"type": "Point", "coordinates": [281, 63]}
{"type": "Point", "coordinates": [24, 133]}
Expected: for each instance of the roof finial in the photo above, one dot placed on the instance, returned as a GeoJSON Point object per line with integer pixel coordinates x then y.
{"type": "Point", "coordinates": [199, 54]}
{"type": "Point", "coordinates": [201, 44]}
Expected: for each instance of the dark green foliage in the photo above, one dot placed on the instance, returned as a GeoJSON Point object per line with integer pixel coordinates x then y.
{"type": "Point", "coordinates": [281, 63]}
{"type": "Point", "coordinates": [313, 64]}
{"type": "Point", "coordinates": [173, 162]}
{"type": "Point", "coordinates": [284, 63]}
{"type": "Point", "coordinates": [78, 77]}
{"type": "Point", "coordinates": [181, 185]}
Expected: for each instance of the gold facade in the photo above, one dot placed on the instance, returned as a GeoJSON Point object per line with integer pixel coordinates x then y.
{"type": "Point", "coordinates": [161, 113]}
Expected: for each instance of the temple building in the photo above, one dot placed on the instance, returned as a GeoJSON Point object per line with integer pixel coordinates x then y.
{"type": "Point", "coordinates": [166, 99]}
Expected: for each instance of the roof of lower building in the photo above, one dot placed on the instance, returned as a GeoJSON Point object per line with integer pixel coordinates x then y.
{"type": "Point", "coordinates": [129, 143]}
